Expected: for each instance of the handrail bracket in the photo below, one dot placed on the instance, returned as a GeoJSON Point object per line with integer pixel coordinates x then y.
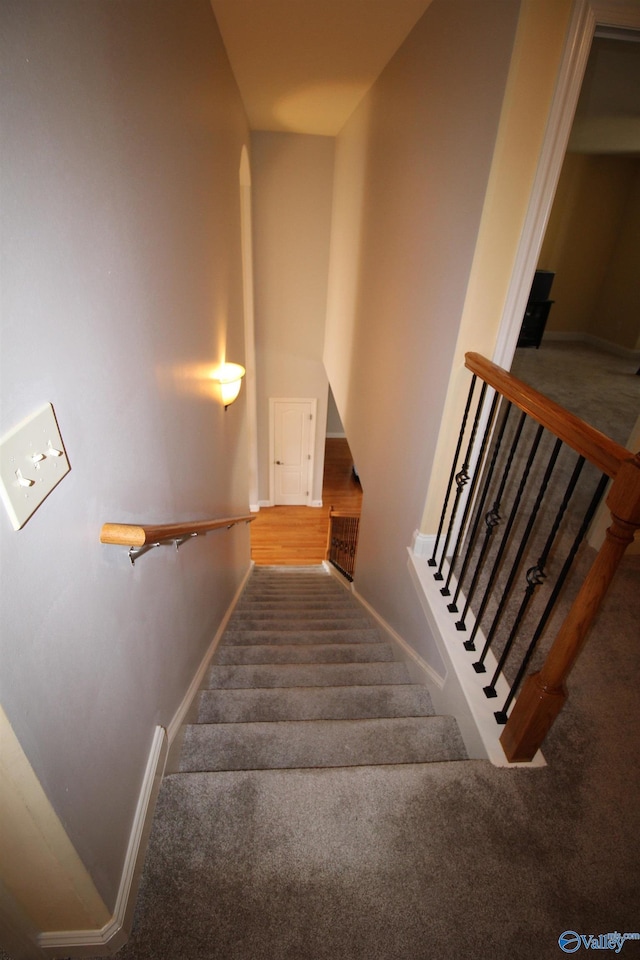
{"type": "Point", "coordinates": [140, 539]}
{"type": "Point", "coordinates": [136, 552]}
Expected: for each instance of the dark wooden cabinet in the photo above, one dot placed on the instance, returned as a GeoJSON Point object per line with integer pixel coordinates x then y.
{"type": "Point", "coordinates": [535, 319]}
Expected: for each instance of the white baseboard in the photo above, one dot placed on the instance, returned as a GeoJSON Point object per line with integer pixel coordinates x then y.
{"type": "Point", "coordinates": [254, 508]}
{"type": "Point", "coordinates": [110, 938]}
{"type": "Point", "coordinates": [606, 345]}
{"type": "Point", "coordinates": [564, 336]}
{"type": "Point", "coordinates": [269, 503]}
{"type": "Point", "coordinates": [406, 648]}
{"type": "Point", "coordinates": [336, 436]}
{"type": "Point", "coordinates": [182, 711]}
{"type": "Point", "coordinates": [411, 655]}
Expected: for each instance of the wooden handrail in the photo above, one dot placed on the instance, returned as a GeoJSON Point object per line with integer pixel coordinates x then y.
{"type": "Point", "coordinates": [544, 693]}
{"type": "Point", "coordinates": [590, 443]}
{"type": "Point", "coordinates": [132, 535]}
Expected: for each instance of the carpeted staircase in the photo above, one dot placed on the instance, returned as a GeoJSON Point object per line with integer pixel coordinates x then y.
{"type": "Point", "coordinates": [303, 678]}
{"type": "Point", "coordinates": [390, 861]}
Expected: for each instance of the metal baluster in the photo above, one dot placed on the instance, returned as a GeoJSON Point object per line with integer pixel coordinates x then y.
{"type": "Point", "coordinates": [534, 576]}
{"type": "Point", "coordinates": [461, 478]}
{"type": "Point", "coordinates": [505, 536]}
{"type": "Point", "coordinates": [470, 643]}
{"type": "Point", "coordinates": [501, 715]}
{"type": "Point", "coordinates": [492, 520]}
{"type": "Point", "coordinates": [453, 606]}
{"type": "Point", "coordinates": [344, 544]}
{"type": "Point", "coordinates": [479, 666]}
{"type": "Point", "coordinates": [474, 481]}
{"type": "Point", "coordinates": [433, 562]}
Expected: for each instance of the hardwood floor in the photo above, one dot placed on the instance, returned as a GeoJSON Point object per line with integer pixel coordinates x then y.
{"type": "Point", "coordinates": [297, 536]}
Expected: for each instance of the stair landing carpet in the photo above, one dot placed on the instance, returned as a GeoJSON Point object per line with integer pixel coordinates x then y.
{"type": "Point", "coordinates": [262, 850]}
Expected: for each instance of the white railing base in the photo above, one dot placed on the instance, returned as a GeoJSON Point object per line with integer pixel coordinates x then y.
{"type": "Point", "coordinates": [462, 694]}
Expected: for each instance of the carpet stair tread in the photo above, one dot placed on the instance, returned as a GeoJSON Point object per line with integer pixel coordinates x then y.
{"type": "Point", "coordinates": [275, 610]}
{"type": "Point", "coordinates": [311, 602]}
{"type": "Point", "coordinates": [297, 623]}
{"type": "Point", "coordinates": [305, 653]}
{"type": "Point", "coordinates": [311, 587]}
{"type": "Point", "coordinates": [314, 703]}
{"type": "Point", "coordinates": [305, 678]}
{"type": "Point", "coordinates": [320, 743]}
{"type": "Point", "coordinates": [334, 618]}
{"type": "Point", "coordinates": [305, 675]}
{"type": "Point", "coordinates": [271, 636]}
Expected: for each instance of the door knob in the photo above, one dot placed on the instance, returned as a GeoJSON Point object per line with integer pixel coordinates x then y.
{"type": "Point", "coordinates": [280, 463]}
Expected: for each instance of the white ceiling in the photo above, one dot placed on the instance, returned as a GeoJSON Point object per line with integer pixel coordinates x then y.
{"type": "Point", "coordinates": [302, 66]}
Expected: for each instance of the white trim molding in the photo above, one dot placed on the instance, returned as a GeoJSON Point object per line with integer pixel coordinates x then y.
{"type": "Point", "coordinates": [426, 670]}
{"type": "Point", "coordinates": [422, 545]}
{"type": "Point", "coordinates": [586, 17]}
{"type": "Point", "coordinates": [181, 714]}
{"type": "Point", "coordinates": [114, 934]}
{"type": "Point", "coordinates": [462, 693]}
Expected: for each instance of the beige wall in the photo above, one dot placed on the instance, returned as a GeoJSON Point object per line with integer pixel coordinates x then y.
{"type": "Point", "coordinates": [122, 281]}
{"type": "Point", "coordinates": [292, 190]}
{"type": "Point", "coordinates": [616, 315]}
{"type": "Point", "coordinates": [537, 52]}
{"type": "Point", "coordinates": [592, 243]}
{"type": "Point", "coordinates": [412, 166]}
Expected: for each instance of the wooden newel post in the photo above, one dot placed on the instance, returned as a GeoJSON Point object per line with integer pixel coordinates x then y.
{"type": "Point", "coordinates": [543, 694]}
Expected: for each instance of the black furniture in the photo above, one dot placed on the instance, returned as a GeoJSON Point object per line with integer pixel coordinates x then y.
{"type": "Point", "coordinates": [537, 312]}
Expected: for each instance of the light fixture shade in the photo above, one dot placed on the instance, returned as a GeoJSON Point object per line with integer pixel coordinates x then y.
{"type": "Point", "coordinates": [229, 376]}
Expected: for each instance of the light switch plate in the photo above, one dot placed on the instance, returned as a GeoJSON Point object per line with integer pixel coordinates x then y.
{"type": "Point", "coordinates": [32, 462]}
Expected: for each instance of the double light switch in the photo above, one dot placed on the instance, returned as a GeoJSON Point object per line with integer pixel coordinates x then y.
{"type": "Point", "coordinates": [32, 462]}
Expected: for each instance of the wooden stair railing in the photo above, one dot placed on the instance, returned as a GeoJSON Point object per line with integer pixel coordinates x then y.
{"type": "Point", "coordinates": [142, 537]}
{"type": "Point", "coordinates": [590, 443]}
{"type": "Point", "coordinates": [544, 693]}
{"type": "Point", "coordinates": [342, 541]}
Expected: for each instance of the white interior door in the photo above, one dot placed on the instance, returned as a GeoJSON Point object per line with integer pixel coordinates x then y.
{"type": "Point", "coordinates": [293, 441]}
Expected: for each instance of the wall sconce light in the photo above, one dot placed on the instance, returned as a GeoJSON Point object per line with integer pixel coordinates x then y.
{"type": "Point", "coordinates": [229, 376]}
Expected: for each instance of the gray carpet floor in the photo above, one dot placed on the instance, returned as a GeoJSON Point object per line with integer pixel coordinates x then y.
{"type": "Point", "coordinates": [436, 860]}
{"type": "Point", "coordinates": [601, 388]}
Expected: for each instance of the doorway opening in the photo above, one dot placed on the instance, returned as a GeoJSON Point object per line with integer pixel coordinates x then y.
{"type": "Point", "coordinates": [587, 357]}
{"type": "Point", "coordinates": [298, 535]}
